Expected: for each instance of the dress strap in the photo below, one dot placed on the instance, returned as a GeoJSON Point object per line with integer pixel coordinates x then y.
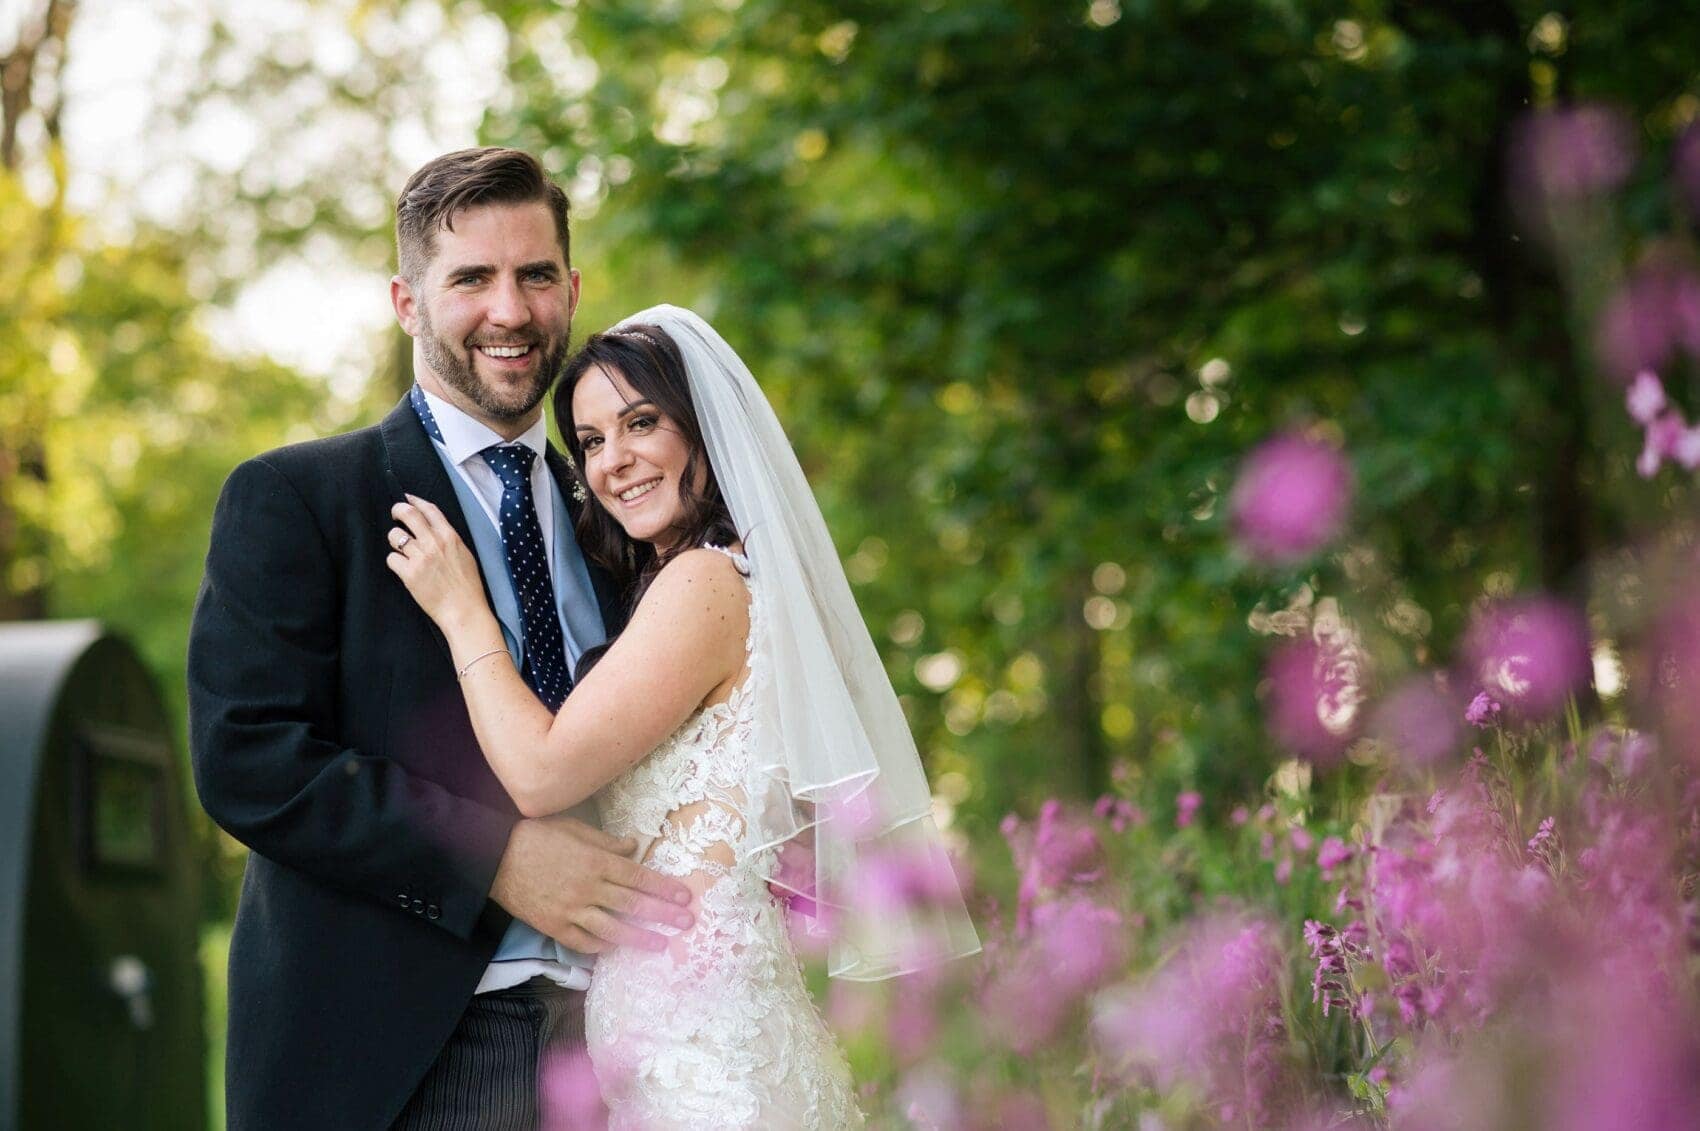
{"type": "Point", "coordinates": [742, 562]}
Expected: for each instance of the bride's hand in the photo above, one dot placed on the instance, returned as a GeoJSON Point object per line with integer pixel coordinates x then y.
{"type": "Point", "coordinates": [435, 565]}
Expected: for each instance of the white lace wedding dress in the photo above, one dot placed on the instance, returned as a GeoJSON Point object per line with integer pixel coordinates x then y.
{"type": "Point", "coordinates": [718, 1031]}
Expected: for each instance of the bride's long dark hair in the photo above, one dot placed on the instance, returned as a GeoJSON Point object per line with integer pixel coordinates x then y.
{"type": "Point", "coordinates": [651, 364]}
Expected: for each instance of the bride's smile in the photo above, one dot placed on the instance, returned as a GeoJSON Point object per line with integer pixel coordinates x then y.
{"type": "Point", "coordinates": [634, 456]}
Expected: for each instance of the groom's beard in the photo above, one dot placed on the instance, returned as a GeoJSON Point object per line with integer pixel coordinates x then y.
{"type": "Point", "coordinates": [456, 365]}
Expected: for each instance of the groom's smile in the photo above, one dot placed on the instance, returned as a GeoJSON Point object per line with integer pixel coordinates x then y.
{"type": "Point", "coordinates": [492, 314]}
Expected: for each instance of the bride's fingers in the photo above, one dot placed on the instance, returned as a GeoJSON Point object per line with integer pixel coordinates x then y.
{"type": "Point", "coordinates": [411, 517]}
{"type": "Point", "coordinates": [434, 516]}
{"type": "Point", "coordinates": [400, 540]}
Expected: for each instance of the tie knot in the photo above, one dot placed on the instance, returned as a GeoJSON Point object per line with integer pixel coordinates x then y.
{"type": "Point", "coordinates": [511, 463]}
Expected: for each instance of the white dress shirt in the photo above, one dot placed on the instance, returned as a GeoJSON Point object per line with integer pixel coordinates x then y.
{"type": "Point", "coordinates": [464, 440]}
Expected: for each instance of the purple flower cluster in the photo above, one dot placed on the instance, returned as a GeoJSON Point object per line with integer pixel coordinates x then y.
{"type": "Point", "coordinates": [1120, 813]}
{"type": "Point", "coordinates": [1419, 721]}
{"type": "Point", "coordinates": [1336, 953]}
{"type": "Point", "coordinates": [1310, 702]}
{"type": "Point", "coordinates": [1651, 319]}
{"type": "Point", "coordinates": [1068, 937]}
{"type": "Point", "coordinates": [1482, 710]}
{"type": "Point", "coordinates": [1504, 952]}
{"type": "Point", "coordinates": [1209, 1018]}
{"type": "Point", "coordinates": [1668, 435]}
{"type": "Point", "coordinates": [1574, 152]}
{"type": "Point", "coordinates": [1529, 653]}
{"type": "Point", "coordinates": [1290, 499]}
{"type": "Point", "coordinates": [1670, 688]}
{"type": "Point", "coordinates": [1563, 161]}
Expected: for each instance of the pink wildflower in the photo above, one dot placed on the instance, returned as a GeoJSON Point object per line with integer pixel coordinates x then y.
{"type": "Point", "coordinates": [1573, 151]}
{"type": "Point", "coordinates": [1060, 852]}
{"type": "Point", "coordinates": [1621, 1061]}
{"type": "Point", "coordinates": [1332, 855]}
{"type": "Point", "coordinates": [1482, 710]}
{"type": "Point", "coordinates": [1066, 849]}
{"type": "Point", "coordinates": [1119, 812]}
{"type": "Point", "coordinates": [1673, 671]}
{"type": "Point", "coordinates": [912, 1024]}
{"type": "Point", "coordinates": [1290, 499]}
{"type": "Point", "coordinates": [1335, 953]}
{"type": "Point", "coordinates": [1529, 653]}
{"type": "Point", "coordinates": [1079, 944]}
{"type": "Point", "coordinates": [1654, 313]}
{"type": "Point", "coordinates": [930, 1100]}
{"type": "Point", "coordinates": [1310, 703]}
{"type": "Point", "coordinates": [1210, 1016]}
{"type": "Point", "coordinates": [1419, 721]}
{"type": "Point", "coordinates": [1543, 846]}
{"type": "Point", "coordinates": [1624, 754]}
{"type": "Point", "coordinates": [1645, 398]}
{"type": "Point", "coordinates": [1669, 437]}
{"type": "Point", "coordinates": [568, 1093]}
{"type": "Point", "coordinates": [1186, 808]}
{"type": "Point", "coordinates": [1070, 947]}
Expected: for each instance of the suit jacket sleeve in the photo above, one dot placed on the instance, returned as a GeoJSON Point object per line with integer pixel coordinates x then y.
{"type": "Point", "coordinates": [264, 665]}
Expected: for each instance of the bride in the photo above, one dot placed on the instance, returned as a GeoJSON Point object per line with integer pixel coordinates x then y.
{"type": "Point", "coordinates": [743, 707]}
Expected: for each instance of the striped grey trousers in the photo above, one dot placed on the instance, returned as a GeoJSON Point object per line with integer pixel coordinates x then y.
{"type": "Point", "coordinates": [516, 1062]}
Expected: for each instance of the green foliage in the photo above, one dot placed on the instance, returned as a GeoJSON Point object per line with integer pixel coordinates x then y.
{"type": "Point", "coordinates": [1025, 280]}
{"type": "Point", "coordinates": [132, 419]}
{"type": "Point", "coordinates": [983, 254]}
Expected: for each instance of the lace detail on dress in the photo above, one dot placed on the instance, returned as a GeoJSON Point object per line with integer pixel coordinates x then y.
{"type": "Point", "coordinates": [718, 1031]}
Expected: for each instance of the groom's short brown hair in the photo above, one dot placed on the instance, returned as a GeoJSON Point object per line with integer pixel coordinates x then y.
{"type": "Point", "coordinates": [467, 178]}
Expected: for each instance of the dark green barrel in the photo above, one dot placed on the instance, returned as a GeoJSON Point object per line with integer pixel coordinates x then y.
{"type": "Point", "coordinates": [101, 1020]}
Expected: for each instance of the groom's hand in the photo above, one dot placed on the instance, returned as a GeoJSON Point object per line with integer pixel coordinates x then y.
{"type": "Point", "coordinates": [794, 886]}
{"type": "Point", "coordinates": [579, 886]}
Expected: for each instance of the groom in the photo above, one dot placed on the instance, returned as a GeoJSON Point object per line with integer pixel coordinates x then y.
{"type": "Point", "coordinates": [393, 962]}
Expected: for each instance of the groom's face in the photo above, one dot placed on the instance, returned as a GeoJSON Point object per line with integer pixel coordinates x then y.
{"type": "Point", "coordinates": [491, 316]}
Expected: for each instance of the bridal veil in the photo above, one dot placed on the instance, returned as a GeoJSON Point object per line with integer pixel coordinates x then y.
{"type": "Point", "coordinates": [835, 752]}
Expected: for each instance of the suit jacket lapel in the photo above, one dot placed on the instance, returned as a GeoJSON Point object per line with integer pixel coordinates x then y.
{"type": "Point", "coordinates": [412, 467]}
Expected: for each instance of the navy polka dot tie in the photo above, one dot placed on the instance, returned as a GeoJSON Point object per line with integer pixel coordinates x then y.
{"type": "Point", "coordinates": [422, 407]}
{"type": "Point", "coordinates": [528, 569]}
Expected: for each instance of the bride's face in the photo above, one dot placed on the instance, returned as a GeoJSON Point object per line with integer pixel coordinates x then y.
{"type": "Point", "coordinates": [634, 456]}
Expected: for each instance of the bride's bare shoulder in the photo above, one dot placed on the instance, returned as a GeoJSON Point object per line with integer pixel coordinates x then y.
{"type": "Point", "coordinates": [700, 588]}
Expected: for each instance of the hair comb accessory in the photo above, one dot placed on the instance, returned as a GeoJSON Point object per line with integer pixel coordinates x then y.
{"type": "Point", "coordinates": [642, 335]}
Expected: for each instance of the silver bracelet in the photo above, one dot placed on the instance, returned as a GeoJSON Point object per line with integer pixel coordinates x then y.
{"type": "Point", "coordinates": [461, 674]}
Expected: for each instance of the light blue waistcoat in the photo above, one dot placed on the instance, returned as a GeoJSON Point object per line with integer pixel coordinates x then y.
{"type": "Point", "coordinates": [581, 629]}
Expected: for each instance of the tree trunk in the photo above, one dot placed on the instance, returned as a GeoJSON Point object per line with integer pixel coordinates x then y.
{"type": "Point", "coordinates": [43, 37]}
{"type": "Point", "coordinates": [1528, 305]}
{"type": "Point", "coordinates": [26, 600]}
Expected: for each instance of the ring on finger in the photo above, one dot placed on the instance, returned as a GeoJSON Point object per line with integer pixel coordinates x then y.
{"type": "Point", "coordinates": [400, 538]}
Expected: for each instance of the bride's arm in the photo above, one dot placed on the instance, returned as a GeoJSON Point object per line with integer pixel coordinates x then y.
{"type": "Point", "coordinates": [685, 639]}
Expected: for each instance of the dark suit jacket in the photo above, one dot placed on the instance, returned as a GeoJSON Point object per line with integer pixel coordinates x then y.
{"type": "Point", "coordinates": [328, 735]}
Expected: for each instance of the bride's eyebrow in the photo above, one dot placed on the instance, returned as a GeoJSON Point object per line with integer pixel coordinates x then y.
{"type": "Point", "coordinates": [624, 412]}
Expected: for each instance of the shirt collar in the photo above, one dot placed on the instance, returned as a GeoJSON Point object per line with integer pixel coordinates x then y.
{"type": "Point", "coordinates": [464, 437]}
